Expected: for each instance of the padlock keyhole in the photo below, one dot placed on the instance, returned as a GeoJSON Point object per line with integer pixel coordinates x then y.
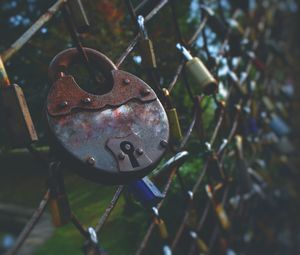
{"type": "Point", "coordinates": [129, 149]}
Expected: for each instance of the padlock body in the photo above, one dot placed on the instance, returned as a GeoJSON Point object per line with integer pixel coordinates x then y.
{"type": "Point", "coordinates": [222, 216]}
{"type": "Point", "coordinates": [201, 245]}
{"type": "Point", "coordinates": [146, 192]}
{"type": "Point", "coordinates": [162, 229]}
{"type": "Point", "coordinates": [60, 210]}
{"type": "Point", "coordinates": [279, 126]}
{"type": "Point", "coordinates": [18, 119]}
{"type": "Point", "coordinates": [202, 76]}
{"type": "Point", "coordinates": [175, 128]}
{"type": "Point", "coordinates": [115, 138]}
{"type": "Point", "coordinates": [147, 51]}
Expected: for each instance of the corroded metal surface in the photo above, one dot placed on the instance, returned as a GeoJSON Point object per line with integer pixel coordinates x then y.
{"type": "Point", "coordinates": [84, 134]}
{"type": "Point", "coordinates": [113, 138]}
{"type": "Point", "coordinates": [65, 95]}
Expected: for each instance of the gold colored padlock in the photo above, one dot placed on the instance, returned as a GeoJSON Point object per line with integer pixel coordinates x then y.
{"type": "Point", "coordinates": [268, 104]}
{"type": "Point", "coordinates": [201, 245]}
{"type": "Point", "coordinates": [175, 127]}
{"type": "Point", "coordinates": [60, 210]}
{"type": "Point", "coordinates": [18, 119]}
{"type": "Point", "coordinates": [59, 203]}
{"type": "Point", "coordinates": [219, 209]}
{"type": "Point", "coordinates": [162, 228]}
{"type": "Point", "coordinates": [199, 72]}
{"type": "Point", "coordinates": [146, 46]}
{"type": "Point", "coordinates": [222, 216]}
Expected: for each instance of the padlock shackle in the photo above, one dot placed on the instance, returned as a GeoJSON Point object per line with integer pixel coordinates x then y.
{"type": "Point", "coordinates": [64, 59]}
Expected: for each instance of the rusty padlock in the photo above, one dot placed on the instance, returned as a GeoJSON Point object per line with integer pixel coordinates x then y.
{"type": "Point", "coordinates": [114, 138]}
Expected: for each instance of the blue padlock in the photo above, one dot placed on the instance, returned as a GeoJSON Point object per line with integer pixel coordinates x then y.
{"type": "Point", "coordinates": [146, 192]}
{"type": "Point", "coordinates": [279, 126]}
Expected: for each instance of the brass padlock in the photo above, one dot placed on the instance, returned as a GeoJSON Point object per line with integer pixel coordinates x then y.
{"type": "Point", "coordinates": [17, 115]}
{"type": "Point", "coordinates": [244, 180]}
{"type": "Point", "coordinates": [146, 46]}
{"type": "Point", "coordinates": [59, 203]}
{"type": "Point", "coordinates": [79, 15]}
{"type": "Point", "coordinates": [219, 209]}
{"type": "Point", "coordinates": [201, 245]}
{"type": "Point", "coordinates": [162, 228]}
{"type": "Point", "coordinates": [175, 128]}
{"type": "Point", "coordinates": [114, 138]}
{"type": "Point", "coordinates": [199, 72]}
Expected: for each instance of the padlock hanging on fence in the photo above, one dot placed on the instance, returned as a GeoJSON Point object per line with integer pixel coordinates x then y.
{"type": "Point", "coordinates": [199, 72]}
{"type": "Point", "coordinates": [175, 128]}
{"type": "Point", "coordinates": [59, 203]}
{"type": "Point", "coordinates": [163, 232]}
{"type": "Point", "coordinates": [275, 122]}
{"type": "Point", "coordinates": [218, 207]}
{"type": "Point", "coordinates": [146, 46]}
{"type": "Point", "coordinates": [146, 192]}
{"type": "Point", "coordinates": [16, 113]}
{"type": "Point", "coordinates": [114, 138]}
{"type": "Point", "coordinates": [200, 244]}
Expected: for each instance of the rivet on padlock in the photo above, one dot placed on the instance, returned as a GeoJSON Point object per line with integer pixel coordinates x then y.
{"type": "Point", "coordinates": [79, 15]}
{"type": "Point", "coordinates": [172, 116]}
{"type": "Point", "coordinates": [59, 203]}
{"type": "Point", "coordinates": [199, 72]}
{"type": "Point", "coordinates": [146, 192]}
{"type": "Point", "coordinates": [146, 46]}
{"type": "Point", "coordinates": [18, 119]}
{"type": "Point", "coordinates": [201, 245]}
{"type": "Point", "coordinates": [219, 209]}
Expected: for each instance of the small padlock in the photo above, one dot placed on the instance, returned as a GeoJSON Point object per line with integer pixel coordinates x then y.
{"type": "Point", "coordinates": [114, 138]}
{"type": "Point", "coordinates": [59, 203]}
{"type": "Point", "coordinates": [268, 104]}
{"type": "Point", "coordinates": [219, 209]}
{"type": "Point", "coordinates": [167, 250]}
{"type": "Point", "coordinates": [16, 112]}
{"type": "Point", "coordinates": [79, 15]}
{"type": "Point", "coordinates": [199, 72]}
{"type": "Point", "coordinates": [175, 128]}
{"type": "Point", "coordinates": [162, 228]}
{"type": "Point", "coordinates": [146, 192]}
{"type": "Point", "coordinates": [146, 46]}
{"type": "Point", "coordinates": [201, 245]}
{"type": "Point", "coordinates": [279, 126]}
{"type": "Point", "coordinates": [243, 177]}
